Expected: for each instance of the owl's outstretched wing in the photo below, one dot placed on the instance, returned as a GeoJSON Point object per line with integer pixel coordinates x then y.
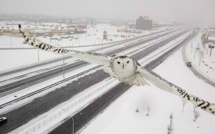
{"type": "Point", "coordinates": [170, 87]}
{"type": "Point", "coordinates": [85, 56]}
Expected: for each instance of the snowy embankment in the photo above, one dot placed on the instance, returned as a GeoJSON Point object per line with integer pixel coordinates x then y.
{"type": "Point", "coordinates": [128, 114]}
{"type": "Point", "coordinates": [199, 56]}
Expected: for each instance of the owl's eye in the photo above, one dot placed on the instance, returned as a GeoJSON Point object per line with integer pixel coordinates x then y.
{"type": "Point", "coordinates": [127, 61]}
{"type": "Point", "coordinates": [118, 62]}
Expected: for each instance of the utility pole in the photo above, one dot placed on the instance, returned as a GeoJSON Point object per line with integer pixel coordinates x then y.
{"type": "Point", "coordinates": [79, 39]}
{"type": "Point", "coordinates": [73, 126]}
{"type": "Point", "coordinates": [63, 67]}
{"type": "Point", "coordinates": [10, 42]}
{"type": "Point", "coordinates": [38, 56]}
{"type": "Point", "coordinates": [211, 47]}
{"type": "Point", "coordinates": [201, 55]}
{"type": "Point", "coordinates": [196, 50]}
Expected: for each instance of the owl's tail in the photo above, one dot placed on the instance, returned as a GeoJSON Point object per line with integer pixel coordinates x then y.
{"type": "Point", "coordinates": [170, 87]}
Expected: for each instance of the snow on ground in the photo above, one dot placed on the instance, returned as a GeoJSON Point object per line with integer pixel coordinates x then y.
{"type": "Point", "coordinates": [43, 84]}
{"type": "Point", "coordinates": [30, 56]}
{"type": "Point", "coordinates": [66, 103]}
{"type": "Point", "coordinates": [15, 58]}
{"type": "Point", "coordinates": [71, 106]}
{"type": "Point", "coordinates": [121, 117]}
{"type": "Point", "coordinates": [46, 83]}
{"type": "Point", "coordinates": [31, 89]}
{"type": "Point", "coordinates": [201, 59]}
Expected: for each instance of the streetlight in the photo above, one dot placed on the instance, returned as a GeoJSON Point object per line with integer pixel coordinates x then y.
{"type": "Point", "coordinates": [63, 67]}
{"type": "Point", "coordinates": [10, 41]}
{"type": "Point", "coordinates": [79, 39]}
{"type": "Point", "coordinates": [73, 123]}
{"type": "Point", "coordinates": [38, 56]}
{"type": "Point", "coordinates": [211, 46]}
{"type": "Point", "coordinates": [196, 50]}
{"type": "Point", "coordinates": [201, 55]}
{"type": "Point", "coordinates": [27, 85]}
{"type": "Point", "coordinates": [73, 126]}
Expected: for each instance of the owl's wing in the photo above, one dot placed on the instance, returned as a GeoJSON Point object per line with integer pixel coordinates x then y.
{"type": "Point", "coordinates": [170, 87]}
{"type": "Point", "coordinates": [85, 56]}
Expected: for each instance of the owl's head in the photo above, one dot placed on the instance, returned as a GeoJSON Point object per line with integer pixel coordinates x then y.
{"type": "Point", "coordinates": [123, 66]}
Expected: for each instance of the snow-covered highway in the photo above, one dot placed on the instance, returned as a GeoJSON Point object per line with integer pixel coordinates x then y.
{"type": "Point", "coordinates": [43, 101]}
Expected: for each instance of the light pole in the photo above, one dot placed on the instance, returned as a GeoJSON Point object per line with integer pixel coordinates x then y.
{"type": "Point", "coordinates": [27, 85]}
{"type": "Point", "coordinates": [196, 50]}
{"type": "Point", "coordinates": [79, 39]}
{"type": "Point", "coordinates": [63, 67]}
{"type": "Point", "coordinates": [73, 122]}
{"type": "Point", "coordinates": [73, 126]}
{"type": "Point", "coordinates": [191, 46]}
{"type": "Point", "coordinates": [201, 55]}
{"type": "Point", "coordinates": [102, 48]}
{"type": "Point", "coordinates": [211, 47]}
{"type": "Point", "coordinates": [10, 42]}
{"type": "Point", "coordinates": [38, 56]}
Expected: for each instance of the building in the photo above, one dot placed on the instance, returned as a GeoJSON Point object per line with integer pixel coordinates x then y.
{"type": "Point", "coordinates": [211, 36]}
{"type": "Point", "coordinates": [105, 35]}
{"type": "Point", "coordinates": [144, 23]}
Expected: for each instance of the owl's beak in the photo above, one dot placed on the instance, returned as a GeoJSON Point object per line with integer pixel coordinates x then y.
{"type": "Point", "coordinates": [123, 66]}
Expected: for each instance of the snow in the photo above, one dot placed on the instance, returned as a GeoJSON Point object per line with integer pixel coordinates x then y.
{"type": "Point", "coordinates": [201, 60]}
{"type": "Point", "coordinates": [46, 83]}
{"type": "Point", "coordinates": [41, 85]}
{"type": "Point", "coordinates": [211, 38]}
{"type": "Point", "coordinates": [70, 107]}
{"type": "Point", "coordinates": [121, 116]}
{"type": "Point", "coordinates": [30, 56]}
{"type": "Point", "coordinates": [33, 123]}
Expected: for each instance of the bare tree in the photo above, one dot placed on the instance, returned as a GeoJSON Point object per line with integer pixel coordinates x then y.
{"type": "Point", "coordinates": [194, 108]}
{"type": "Point", "coordinates": [196, 114]}
{"type": "Point", "coordinates": [170, 126]}
{"type": "Point", "coordinates": [148, 110]}
{"type": "Point", "coordinates": [184, 102]}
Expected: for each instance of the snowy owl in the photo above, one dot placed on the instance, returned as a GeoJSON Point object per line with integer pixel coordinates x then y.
{"type": "Point", "coordinates": [124, 69]}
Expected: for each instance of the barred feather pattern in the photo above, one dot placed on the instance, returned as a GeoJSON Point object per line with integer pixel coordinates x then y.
{"type": "Point", "coordinates": [86, 56]}
{"type": "Point", "coordinates": [151, 76]}
{"type": "Point", "coordinates": [38, 44]}
{"type": "Point", "coordinates": [197, 102]}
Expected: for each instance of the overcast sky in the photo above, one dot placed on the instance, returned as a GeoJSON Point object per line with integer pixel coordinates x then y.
{"type": "Point", "coordinates": [197, 11]}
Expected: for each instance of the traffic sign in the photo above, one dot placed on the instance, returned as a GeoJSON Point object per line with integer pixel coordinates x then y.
{"type": "Point", "coordinates": [210, 46]}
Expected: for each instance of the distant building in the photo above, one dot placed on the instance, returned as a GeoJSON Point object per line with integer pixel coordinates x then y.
{"type": "Point", "coordinates": [105, 35]}
{"type": "Point", "coordinates": [144, 23]}
{"type": "Point", "coordinates": [211, 36]}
